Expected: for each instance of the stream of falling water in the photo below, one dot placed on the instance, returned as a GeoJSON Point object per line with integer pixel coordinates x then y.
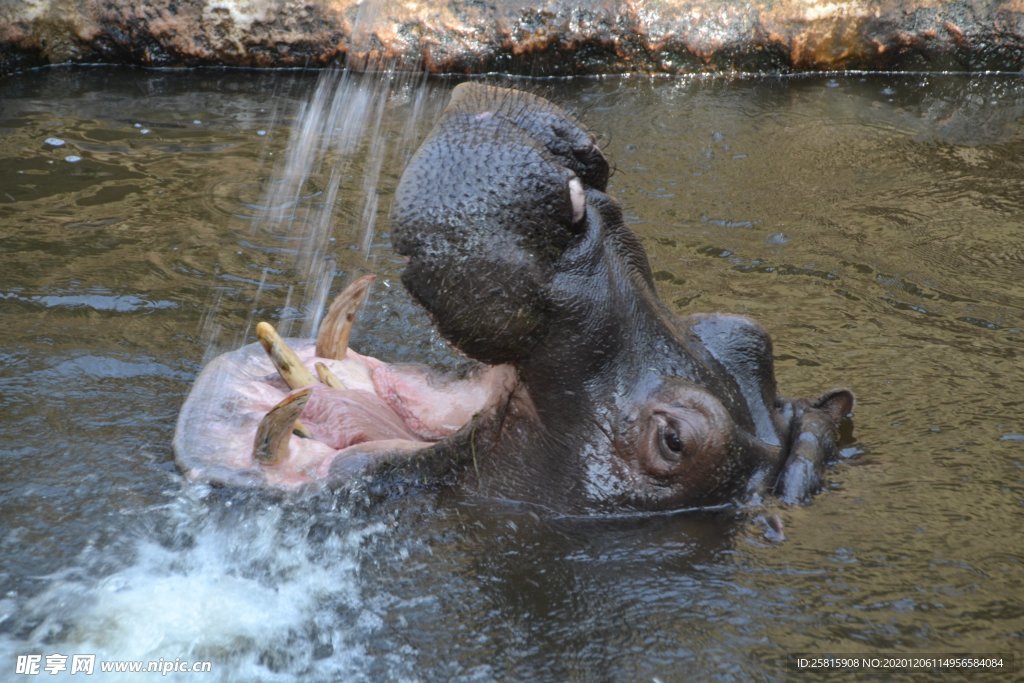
{"type": "Point", "coordinates": [332, 164]}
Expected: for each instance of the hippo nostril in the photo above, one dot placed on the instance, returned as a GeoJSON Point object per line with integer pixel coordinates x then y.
{"type": "Point", "coordinates": [578, 199]}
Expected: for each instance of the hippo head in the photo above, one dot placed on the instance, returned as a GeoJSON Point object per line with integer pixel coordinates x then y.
{"type": "Point", "coordinates": [589, 397]}
{"type": "Point", "coordinates": [522, 258]}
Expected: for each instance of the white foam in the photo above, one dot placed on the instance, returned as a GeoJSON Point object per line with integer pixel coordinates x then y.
{"type": "Point", "coordinates": [256, 598]}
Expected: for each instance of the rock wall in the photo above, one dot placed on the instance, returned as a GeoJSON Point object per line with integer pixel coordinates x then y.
{"type": "Point", "coordinates": [538, 38]}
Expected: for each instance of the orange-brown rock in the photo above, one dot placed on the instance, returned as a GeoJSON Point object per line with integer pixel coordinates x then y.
{"type": "Point", "coordinates": [555, 37]}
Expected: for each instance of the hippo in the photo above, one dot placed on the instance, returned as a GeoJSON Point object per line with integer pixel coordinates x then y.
{"type": "Point", "coordinates": [583, 393]}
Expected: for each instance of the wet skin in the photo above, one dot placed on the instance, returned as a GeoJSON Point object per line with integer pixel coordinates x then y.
{"type": "Point", "coordinates": [589, 397]}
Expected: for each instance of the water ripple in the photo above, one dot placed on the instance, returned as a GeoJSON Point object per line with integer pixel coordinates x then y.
{"type": "Point", "coordinates": [96, 300]}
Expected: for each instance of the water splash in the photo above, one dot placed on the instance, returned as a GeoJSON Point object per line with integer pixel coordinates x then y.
{"type": "Point", "coordinates": [262, 592]}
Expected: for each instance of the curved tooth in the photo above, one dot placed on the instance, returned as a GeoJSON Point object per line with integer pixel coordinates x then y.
{"type": "Point", "coordinates": [271, 444]}
{"type": "Point", "coordinates": [327, 377]}
{"type": "Point", "coordinates": [284, 358]}
{"type": "Point", "coordinates": [332, 340]}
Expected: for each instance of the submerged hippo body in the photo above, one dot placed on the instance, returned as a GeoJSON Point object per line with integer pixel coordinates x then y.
{"type": "Point", "coordinates": [589, 397]}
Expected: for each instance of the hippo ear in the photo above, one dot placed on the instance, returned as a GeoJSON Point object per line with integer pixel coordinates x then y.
{"type": "Point", "coordinates": [837, 404]}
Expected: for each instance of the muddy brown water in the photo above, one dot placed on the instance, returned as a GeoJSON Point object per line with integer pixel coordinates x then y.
{"type": "Point", "coordinates": [874, 224]}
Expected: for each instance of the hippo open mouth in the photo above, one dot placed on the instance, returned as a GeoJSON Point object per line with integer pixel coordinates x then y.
{"type": "Point", "coordinates": [588, 395]}
{"type": "Point", "coordinates": [259, 416]}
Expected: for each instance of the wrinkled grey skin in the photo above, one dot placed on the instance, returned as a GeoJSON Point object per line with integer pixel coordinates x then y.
{"type": "Point", "coordinates": [522, 258]}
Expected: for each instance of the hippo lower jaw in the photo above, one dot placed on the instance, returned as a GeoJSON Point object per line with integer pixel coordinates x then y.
{"type": "Point", "coordinates": [258, 416]}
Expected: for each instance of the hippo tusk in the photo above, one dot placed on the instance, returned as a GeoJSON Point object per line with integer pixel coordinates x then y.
{"type": "Point", "coordinates": [332, 340]}
{"type": "Point", "coordinates": [271, 444]}
{"type": "Point", "coordinates": [288, 365]}
{"type": "Point", "coordinates": [327, 377]}
{"type": "Point", "coordinates": [284, 358]}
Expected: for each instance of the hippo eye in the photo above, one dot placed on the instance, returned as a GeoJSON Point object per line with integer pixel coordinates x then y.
{"type": "Point", "coordinates": [673, 445]}
{"type": "Point", "coordinates": [673, 442]}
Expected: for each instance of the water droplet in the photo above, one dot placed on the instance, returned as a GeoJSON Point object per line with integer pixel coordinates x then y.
{"type": "Point", "coordinates": [72, 158]}
{"type": "Point", "coordinates": [196, 122]}
{"type": "Point", "coordinates": [54, 142]}
{"type": "Point", "coordinates": [144, 131]}
{"type": "Point", "coordinates": [261, 132]}
{"type": "Point", "coordinates": [137, 125]}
